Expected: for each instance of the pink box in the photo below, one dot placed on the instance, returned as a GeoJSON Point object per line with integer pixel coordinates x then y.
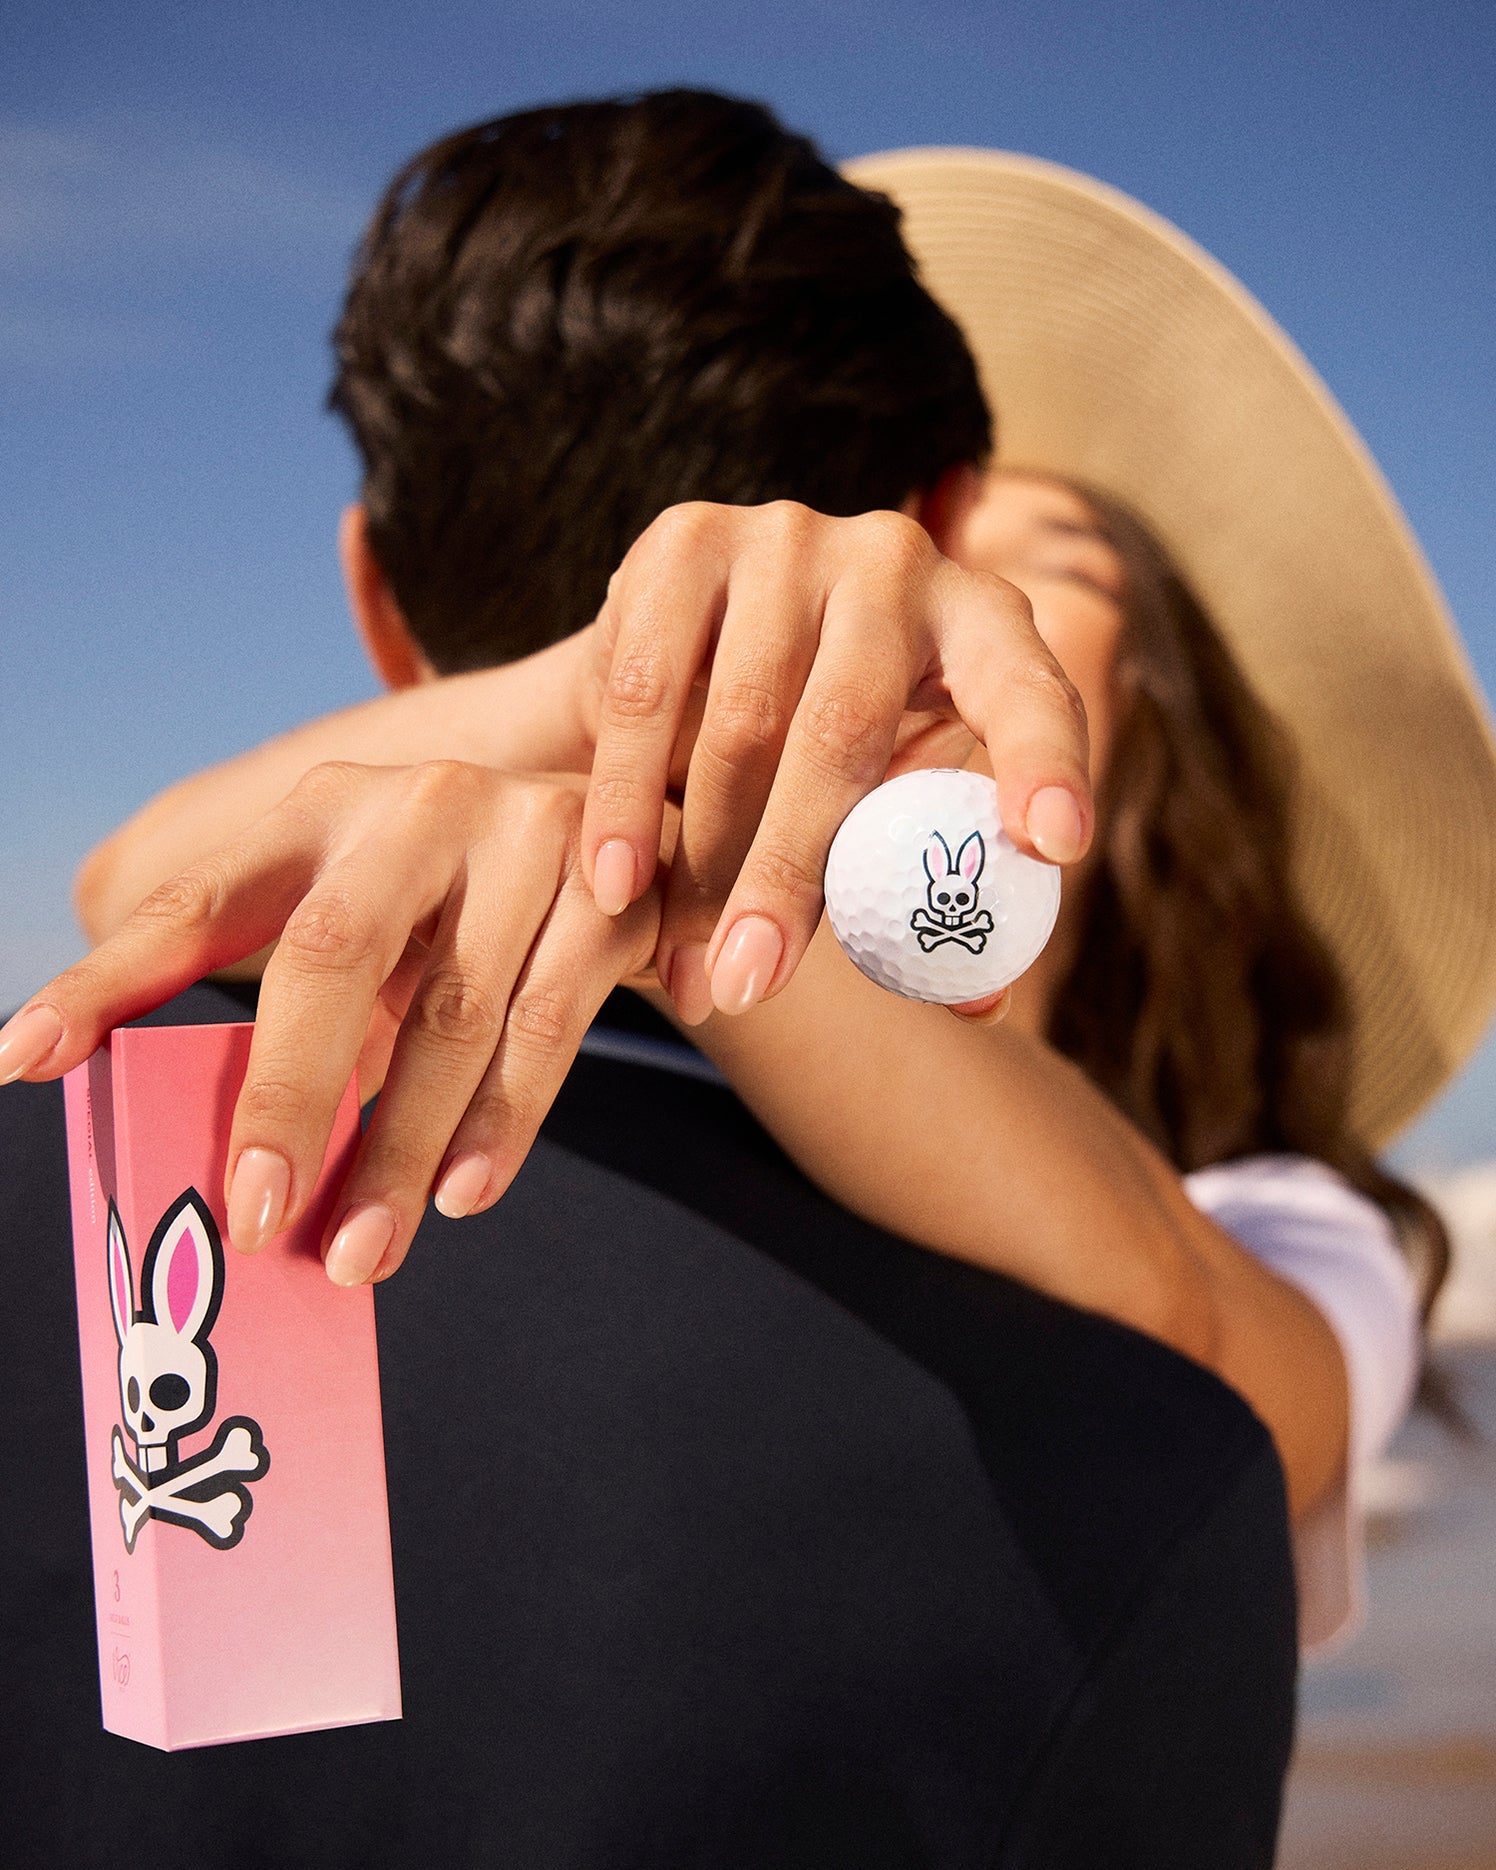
{"type": "Point", "coordinates": [236, 1488]}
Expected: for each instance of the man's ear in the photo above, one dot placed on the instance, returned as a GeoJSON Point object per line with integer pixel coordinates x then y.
{"type": "Point", "coordinates": [942, 509]}
{"type": "Point", "coordinates": [381, 624]}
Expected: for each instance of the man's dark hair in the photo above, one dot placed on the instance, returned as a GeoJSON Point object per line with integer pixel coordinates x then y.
{"type": "Point", "coordinates": [564, 321]}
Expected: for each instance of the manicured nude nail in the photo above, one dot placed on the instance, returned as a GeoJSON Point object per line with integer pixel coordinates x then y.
{"type": "Point", "coordinates": [359, 1244]}
{"type": "Point", "coordinates": [613, 874]}
{"type": "Point", "coordinates": [27, 1040]}
{"type": "Point", "coordinates": [689, 987]}
{"type": "Point", "coordinates": [745, 964]}
{"type": "Point", "coordinates": [257, 1198]}
{"type": "Point", "coordinates": [461, 1188]}
{"type": "Point", "coordinates": [988, 1012]}
{"type": "Point", "coordinates": [1054, 824]}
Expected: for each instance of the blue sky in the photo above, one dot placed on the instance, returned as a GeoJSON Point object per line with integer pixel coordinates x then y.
{"type": "Point", "coordinates": [181, 183]}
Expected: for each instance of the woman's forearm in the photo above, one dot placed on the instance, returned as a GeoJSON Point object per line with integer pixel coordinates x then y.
{"type": "Point", "coordinates": [979, 1143]}
{"type": "Point", "coordinates": [985, 1144]}
{"type": "Point", "coordinates": [523, 716]}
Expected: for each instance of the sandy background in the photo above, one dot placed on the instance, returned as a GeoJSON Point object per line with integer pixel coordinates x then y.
{"type": "Point", "coordinates": [1396, 1761]}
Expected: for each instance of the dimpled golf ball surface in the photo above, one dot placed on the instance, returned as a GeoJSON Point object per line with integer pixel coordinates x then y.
{"type": "Point", "coordinates": [927, 894]}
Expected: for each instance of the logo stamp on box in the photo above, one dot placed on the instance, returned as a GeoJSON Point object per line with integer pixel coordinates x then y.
{"type": "Point", "coordinates": [168, 1383]}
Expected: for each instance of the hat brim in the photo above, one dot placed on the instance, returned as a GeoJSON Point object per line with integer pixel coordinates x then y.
{"type": "Point", "coordinates": [1116, 351]}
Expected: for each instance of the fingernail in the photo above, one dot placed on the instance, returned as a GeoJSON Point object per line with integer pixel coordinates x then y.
{"type": "Point", "coordinates": [257, 1198]}
{"type": "Point", "coordinates": [360, 1243]}
{"type": "Point", "coordinates": [461, 1188]}
{"type": "Point", "coordinates": [27, 1039]}
{"type": "Point", "coordinates": [1054, 824]}
{"type": "Point", "coordinates": [988, 1012]}
{"type": "Point", "coordinates": [745, 964]}
{"type": "Point", "coordinates": [613, 874]}
{"type": "Point", "coordinates": [689, 987]}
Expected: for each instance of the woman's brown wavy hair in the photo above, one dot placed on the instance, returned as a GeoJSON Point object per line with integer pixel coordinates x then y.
{"type": "Point", "coordinates": [1201, 1000]}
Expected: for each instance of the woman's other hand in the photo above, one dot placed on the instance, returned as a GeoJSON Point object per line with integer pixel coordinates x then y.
{"type": "Point", "coordinates": [783, 659]}
{"type": "Point", "coordinates": [433, 930]}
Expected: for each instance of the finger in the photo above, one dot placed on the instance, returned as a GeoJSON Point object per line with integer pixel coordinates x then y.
{"type": "Point", "coordinates": [989, 1011]}
{"type": "Point", "coordinates": [226, 907]}
{"type": "Point", "coordinates": [446, 1042]}
{"type": "Point", "coordinates": [391, 1004]}
{"type": "Point", "coordinates": [763, 657]}
{"type": "Point", "coordinates": [837, 750]}
{"type": "Point", "coordinates": [685, 740]}
{"type": "Point", "coordinates": [577, 959]}
{"type": "Point", "coordinates": [1014, 696]}
{"type": "Point", "coordinates": [663, 606]}
{"type": "Point", "coordinates": [337, 948]}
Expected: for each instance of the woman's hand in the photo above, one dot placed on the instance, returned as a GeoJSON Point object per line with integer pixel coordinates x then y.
{"type": "Point", "coordinates": [433, 930]}
{"type": "Point", "coordinates": [826, 647]}
{"type": "Point", "coordinates": [767, 663]}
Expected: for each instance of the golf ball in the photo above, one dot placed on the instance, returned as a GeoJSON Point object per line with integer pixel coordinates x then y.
{"type": "Point", "coordinates": [927, 894]}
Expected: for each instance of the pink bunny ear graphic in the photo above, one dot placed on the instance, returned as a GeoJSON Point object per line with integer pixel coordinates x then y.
{"type": "Point", "coordinates": [971, 857]}
{"type": "Point", "coordinates": [184, 1279]}
{"type": "Point", "coordinates": [121, 1287]}
{"type": "Point", "coordinates": [937, 857]}
{"type": "Point", "coordinates": [186, 1265]}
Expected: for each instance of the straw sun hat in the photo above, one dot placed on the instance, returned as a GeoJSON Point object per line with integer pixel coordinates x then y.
{"type": "Point", "coordinates": [1116, 351]}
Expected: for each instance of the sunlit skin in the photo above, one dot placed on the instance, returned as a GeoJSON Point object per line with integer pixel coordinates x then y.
{"type": "Point", "coordinates": [1056, 1189]}
{"type": "Point", "coordinates": [1042, 537]}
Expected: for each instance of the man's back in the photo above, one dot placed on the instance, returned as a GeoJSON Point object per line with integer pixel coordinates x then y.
{"type": "Point", "coordinates": [728, 1531]}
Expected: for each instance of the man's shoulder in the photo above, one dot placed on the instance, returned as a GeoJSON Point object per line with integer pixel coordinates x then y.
{"type": "Point", "coordinates": [1100, 1443]}
{"type": "Point", "coordinates": [664, 1438]}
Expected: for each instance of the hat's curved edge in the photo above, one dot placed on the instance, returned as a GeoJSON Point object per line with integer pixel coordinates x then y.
{"type": "Point", "coordinates": [965, 167]}
{"type": "Point", "coordinates": [952, 158]}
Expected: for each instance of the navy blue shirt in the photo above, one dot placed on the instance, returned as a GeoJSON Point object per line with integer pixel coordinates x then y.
{"type": "Point", "coordinates": [728, 1531]}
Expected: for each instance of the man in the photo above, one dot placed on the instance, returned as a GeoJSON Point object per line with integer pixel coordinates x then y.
{"type": "Point", "coordinates": [728, 1529]}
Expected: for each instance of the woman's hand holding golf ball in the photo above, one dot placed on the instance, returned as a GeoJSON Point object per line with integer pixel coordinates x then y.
{"type": "Point", "coordinates": [767, 665]}
{"type": "Point", "coordinates": [772, 665]}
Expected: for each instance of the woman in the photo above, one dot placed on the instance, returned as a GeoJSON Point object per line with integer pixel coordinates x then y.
{"type": "Point", "coordinates": [1183, 979]}
{"type": "Point", "coordinates": [1303, 793]}
{"type": "Point", "coordinates": [1236, 1072]}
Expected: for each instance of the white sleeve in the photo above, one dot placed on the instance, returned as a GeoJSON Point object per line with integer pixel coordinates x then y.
{"type": "Point", "coordinates": [1313, 1229]}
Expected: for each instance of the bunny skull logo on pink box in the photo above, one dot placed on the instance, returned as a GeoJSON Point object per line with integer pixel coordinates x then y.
{"type": "Point", "coordinates": [950, 913]}
{"type": "Point", "coordinates": [168, 1383]}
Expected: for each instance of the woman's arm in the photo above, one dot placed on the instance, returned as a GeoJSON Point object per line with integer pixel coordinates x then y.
{"type": "Point", "coordinates": [524, 717]}
{"type": "Point", "coordinates": [980, 1143]}
{"type": "Point", "coordinates": [759, 663]}
{"type": "Point", "coordinates": [983, 1143]}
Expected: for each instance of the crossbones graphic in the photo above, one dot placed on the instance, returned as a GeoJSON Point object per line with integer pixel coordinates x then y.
{"type": "Point", "coordinates": [237, 1455]}
{"type": "Point", "coordinates": [950, 913]}
{"type": "Point", "coordinates": [971, 934]}
{"type": "Point", "coordinates": [168, 1384]}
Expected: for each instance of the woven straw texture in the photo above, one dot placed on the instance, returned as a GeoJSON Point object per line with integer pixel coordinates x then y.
{"type": "Point", "coordinates": [1116, 351]}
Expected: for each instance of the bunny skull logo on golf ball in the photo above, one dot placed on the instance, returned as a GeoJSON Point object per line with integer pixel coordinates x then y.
{"type": "Point", "coordinates": [950, 913]}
